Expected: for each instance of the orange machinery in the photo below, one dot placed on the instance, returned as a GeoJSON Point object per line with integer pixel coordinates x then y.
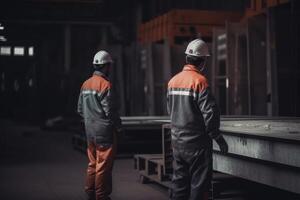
{"type": "Point", "coordinates": [184, 23]}
{"type": "Point", "coordinates": [188, 23]}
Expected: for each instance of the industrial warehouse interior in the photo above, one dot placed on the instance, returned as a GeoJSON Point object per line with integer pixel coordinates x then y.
{"type": "Point", "coordinates": [51, 49]}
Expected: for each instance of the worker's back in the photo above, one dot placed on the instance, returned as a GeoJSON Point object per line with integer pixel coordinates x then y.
{"type": "Point", "coordinates": [195, 121]}
{"type": "Point", "coordinates": [93, 89]}
{"type": "Point", "coordinates": [96, 106]}
{"type": "Point", "coordinates": [185, 98]}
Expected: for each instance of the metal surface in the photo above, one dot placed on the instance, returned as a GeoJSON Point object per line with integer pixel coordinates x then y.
{"type": "Point", "coordinates": [144, 122]}
{"type": "Point", "coordinates": [265, 151]}
{"type": "Point", "coordinates": [278, 176]}
{"type": "Point", "coordinates": [272, 141]}
{"type": "Point", "coordinates": [261, 149]}
{"type": "Point", "coordinates": [285, 129]}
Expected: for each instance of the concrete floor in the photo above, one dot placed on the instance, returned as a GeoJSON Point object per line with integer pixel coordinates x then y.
{"type": "Point", "coordinates": [42, 165]}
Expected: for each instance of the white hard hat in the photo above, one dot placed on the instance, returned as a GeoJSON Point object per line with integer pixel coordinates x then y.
{"type": "Point", "coordinates": [197, 48]}
{"type": "Point", "coordinates": [102, 57]}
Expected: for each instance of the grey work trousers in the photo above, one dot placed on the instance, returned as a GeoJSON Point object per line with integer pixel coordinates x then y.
{"type": "Point", "coordinates": [192, 174]}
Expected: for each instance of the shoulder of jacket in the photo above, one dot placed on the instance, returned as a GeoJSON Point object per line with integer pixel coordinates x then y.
{"type": "Point", "coordinates": [200, 78]}
{"type": "Point", "coordinates": [176, 77]}
{"type": "Point", "coordinates": [97, 83]}
{"type": "Point", "coordinates": [104, 84]}
{"type": "Point", "coordinates": [200, 81]}
{"type": "Point", "coordinates": [85, 84]}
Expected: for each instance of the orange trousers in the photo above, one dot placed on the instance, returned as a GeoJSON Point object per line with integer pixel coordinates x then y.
{"type": "Point", "coordinates": [99, 172]}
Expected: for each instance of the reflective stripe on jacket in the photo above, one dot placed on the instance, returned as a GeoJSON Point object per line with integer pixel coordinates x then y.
{"type": "Point", "coordinates": [96, 104]}
{"type": "Point", "coordinates": [195, 117]}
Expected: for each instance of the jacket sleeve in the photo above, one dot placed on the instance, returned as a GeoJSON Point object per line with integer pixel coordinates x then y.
{"type": "Point", "coordinates": [210, 112]}
{"type": "Point", "coordinates": [110, 108]}
{"type": "Point", "coordinates": [79, 105]}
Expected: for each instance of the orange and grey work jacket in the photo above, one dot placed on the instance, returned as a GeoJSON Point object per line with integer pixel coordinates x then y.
{"type": "Point", "coordinates": [195, 117]}
{"type": "Point", "coordinates": [97, 106]}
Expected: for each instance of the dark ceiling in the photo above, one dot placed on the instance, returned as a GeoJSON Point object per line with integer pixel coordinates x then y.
{"type": "Point", "coordinates": [70, 10]}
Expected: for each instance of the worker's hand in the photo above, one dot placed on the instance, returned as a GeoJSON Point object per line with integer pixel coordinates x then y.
{"type": "Point", "coordinates": [222, 144]}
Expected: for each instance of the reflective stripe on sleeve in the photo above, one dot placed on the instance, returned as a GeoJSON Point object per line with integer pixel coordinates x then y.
{"type": "Point", "coordinates": [91, 92]}
{"type": "Point", "coordinates": [182, 93]}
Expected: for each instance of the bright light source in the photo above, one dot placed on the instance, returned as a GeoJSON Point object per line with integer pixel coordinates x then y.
{"type": "Point", "coordinates": [30, 82]}
{"type": "Point", "coordinates": [19, 51]}
{"type": "Point", "coordinates": [31, 51]}
{"type": "Point", "coordinates": [227, 83]}
{"type": "Point", "coordinates": [221, 47]}
{"type": "Point", "coordinates": [16, 85]}
{"type": "Point", "coordinates": [6, 51]}
{"type": "Point", "coordinates": [1, 27]}
{"type": "Point", "coordinates": [2, 38]}
{"type": "Point", "coordinates": [222, 37]}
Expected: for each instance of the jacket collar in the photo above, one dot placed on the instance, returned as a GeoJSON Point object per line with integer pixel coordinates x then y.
{"type": "Point", "coordinates": [98, 73]}
{"type": "Point", "coordinates": [191, 68]}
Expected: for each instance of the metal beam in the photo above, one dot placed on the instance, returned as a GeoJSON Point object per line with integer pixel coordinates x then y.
{"type": "Point", "coordinates": [263, 149]}
{"type": "Point", "coordinates": [278, 176]}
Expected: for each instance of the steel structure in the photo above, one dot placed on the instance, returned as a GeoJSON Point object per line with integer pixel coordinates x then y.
{"type": "Point", "coordinates": [264, 151]}
{"type": "Point", "coordinates": [261, 149]}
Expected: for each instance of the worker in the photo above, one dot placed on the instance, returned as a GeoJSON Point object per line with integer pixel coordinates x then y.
{"type": "Point", "coordinates": [97, 106]}
{"type": "Point", "coordinates": [195, 121]}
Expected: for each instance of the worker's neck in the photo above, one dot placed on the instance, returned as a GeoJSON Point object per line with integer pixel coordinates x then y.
{"type": "Point", "coordinates": [102, 72]}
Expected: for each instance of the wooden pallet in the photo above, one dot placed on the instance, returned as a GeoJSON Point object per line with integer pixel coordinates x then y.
{"type": "Point", "coordinates": [151, 167]}
{"type": "Point", "coordinates": [158, 168]}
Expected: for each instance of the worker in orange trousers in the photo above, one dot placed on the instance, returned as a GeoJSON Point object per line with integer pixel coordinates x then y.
{"type": "Point", "coordinates": [97, 106]}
